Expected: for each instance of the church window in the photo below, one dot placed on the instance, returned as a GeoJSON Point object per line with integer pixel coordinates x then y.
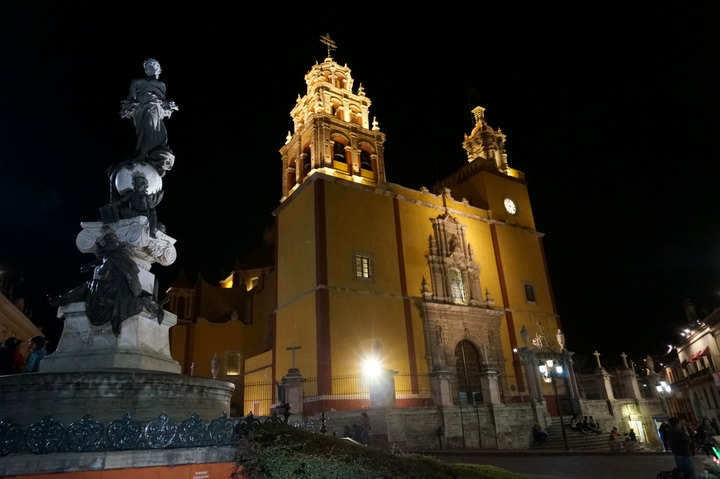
{"type": "Point", "coordinates": [338, 151]}
{"type": "Point", "coordinates": [365, 162]}
{"type": "Point", "coordinates": [233, 363]}
{"type": "Point", "coordinates": [457, 286]}
{"type": "Point", "coordinates": [363, 267]}
{"type": "Point", "coordinates": [529, 290]}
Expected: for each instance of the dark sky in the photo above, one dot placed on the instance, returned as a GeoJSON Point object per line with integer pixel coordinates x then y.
{"type": "Point", "coordinates": [611, 111]}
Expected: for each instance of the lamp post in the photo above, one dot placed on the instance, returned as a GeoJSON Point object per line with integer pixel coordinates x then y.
{"type": "Point", "coordinates": [551, 372]}
{"type": "Point", "coordinates": [664, 389]}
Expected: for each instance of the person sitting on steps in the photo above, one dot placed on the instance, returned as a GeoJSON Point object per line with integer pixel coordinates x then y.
{"type": "Point", "coordinates": [540, 435]}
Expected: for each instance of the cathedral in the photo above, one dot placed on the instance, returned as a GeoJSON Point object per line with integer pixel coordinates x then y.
{"type": "Point", "coordinates": [439, 289]}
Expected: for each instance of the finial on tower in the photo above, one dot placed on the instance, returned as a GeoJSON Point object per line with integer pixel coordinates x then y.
{"type": "Point", "coordinates": [329, 43]}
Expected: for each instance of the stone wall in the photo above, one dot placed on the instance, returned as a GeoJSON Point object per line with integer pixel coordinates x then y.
{"type": "Point", "coordinates": [486, 426]}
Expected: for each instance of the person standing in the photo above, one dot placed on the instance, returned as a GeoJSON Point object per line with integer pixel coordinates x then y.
{"type": "Point", "coordinates": [664, 431]}
{"type": "Point", "coordinates": [681, 446]}
{"type": "Point", "coordinates": [37, 353]}
{"type": "Point", "coordinates": [614, 439]}
{"type": "Point", "coordinates": [365, 424]}
{"type": "Point", "coordinates": [704, 435]}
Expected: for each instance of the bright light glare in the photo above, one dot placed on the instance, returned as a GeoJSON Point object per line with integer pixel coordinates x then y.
{"type": "Point", "coordinates": [372, 368]}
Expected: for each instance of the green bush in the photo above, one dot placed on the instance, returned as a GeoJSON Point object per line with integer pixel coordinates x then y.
{"type": "Point", "coordinates": [279, 451]}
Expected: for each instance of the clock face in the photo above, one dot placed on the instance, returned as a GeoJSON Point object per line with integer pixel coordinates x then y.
{"type": "Point", "coordinates": [510, 206]}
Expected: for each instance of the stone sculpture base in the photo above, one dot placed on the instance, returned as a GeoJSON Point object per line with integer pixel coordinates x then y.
{"type": "Point", "coordinates": [106, 396]}
{"type": "Point", "coordinates": [142, 344]}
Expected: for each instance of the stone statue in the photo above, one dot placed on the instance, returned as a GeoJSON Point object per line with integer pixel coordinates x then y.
{"type": "Point", "coordinates": [114, 293]}
{"type": "Point", "coordinates": [560, 339]}
{"type": "Point", "coordinates": [140, 202]}
{"type": "Point", "coordinates": [650, 364]}
{"type": "Point", "coordinates": [147, 105]}
{"type": "Point", "coordinates": [525, 336]}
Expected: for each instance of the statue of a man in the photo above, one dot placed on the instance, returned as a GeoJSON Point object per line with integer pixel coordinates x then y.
{"type": "Point", "coordinates": [560, 339]}
{"type": "Point", "coordinates": [147, 105]}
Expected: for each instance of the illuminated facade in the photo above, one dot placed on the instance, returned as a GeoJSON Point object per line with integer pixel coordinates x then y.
{"type": "Point", "coordinates": [439, 287]}
{"type": "Point", "coordinates": [432, 285]}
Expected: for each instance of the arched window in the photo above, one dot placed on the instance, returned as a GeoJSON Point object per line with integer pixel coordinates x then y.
{"type": "Point", "coordinates": [365, 160]}
{"type": "Point", "coordinates": [457, 286]}
{"type": "Point", "coordinates": [467, 367]}
{"type": "Point", "coordinates": [339, 152]}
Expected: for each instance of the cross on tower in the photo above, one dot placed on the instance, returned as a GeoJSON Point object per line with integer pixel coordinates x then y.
{"type": "Point", "coordinates": [597, 357]}
{"type": "Point", "coordinates": [329, 43]}
{"type": "Point", "coordinates": [292, 349]}
{"type": "Point", "coordinates": [624, 358]}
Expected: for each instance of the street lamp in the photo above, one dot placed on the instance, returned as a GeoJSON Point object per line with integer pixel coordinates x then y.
{"type": "Point", "coordinates": [552, 371]}
{"type": "Point", "coordinates": [664, 389]}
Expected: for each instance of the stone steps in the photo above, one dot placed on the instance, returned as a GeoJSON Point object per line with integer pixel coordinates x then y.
{"type": "Point", "coordinates": [576, 440]}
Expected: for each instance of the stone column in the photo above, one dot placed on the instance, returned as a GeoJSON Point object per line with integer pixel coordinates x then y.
{"type": "Point", "coordinates": [292, 384]}
{"type": "Point", "coordinates": [629, 379]}
{"type": "Point", "coordinates": [573, 390]}
{"type": "Point", "coordinates": [382, 389]}
{"type": "Point", "coordinates": [532, 378]}
{"type": "Point", "coordinates": [604, 382]}
{"type": "Point", "coordinates": [440, 385]}
{"type": "Point", "coordinates": [489, 386]}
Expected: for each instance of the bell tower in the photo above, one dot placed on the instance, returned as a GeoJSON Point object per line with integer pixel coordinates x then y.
{"type": "Point", "coordinates": [333, 133]}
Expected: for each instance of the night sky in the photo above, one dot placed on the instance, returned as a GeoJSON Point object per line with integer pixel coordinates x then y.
{"type": "Point", "coordinates": [611, 113]}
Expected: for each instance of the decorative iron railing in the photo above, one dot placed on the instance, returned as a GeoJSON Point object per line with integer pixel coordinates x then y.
{"type": "Point", "coordinates": [88, 434]}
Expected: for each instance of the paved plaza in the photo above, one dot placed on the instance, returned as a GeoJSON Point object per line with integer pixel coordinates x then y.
{"type": "Point", "coordinates": [561, 465]}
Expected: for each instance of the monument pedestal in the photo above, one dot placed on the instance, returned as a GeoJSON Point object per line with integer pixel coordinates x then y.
{"type": "Point", "coordinates": [142, 344]}
{"type": "Point", "coordinates": [95, 372]}
{"type": "Point", "coordinates": [107, 395]}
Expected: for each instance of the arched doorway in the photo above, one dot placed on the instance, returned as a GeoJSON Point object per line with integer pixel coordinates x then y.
{"type": "Point", "coordinates": [468, 363]}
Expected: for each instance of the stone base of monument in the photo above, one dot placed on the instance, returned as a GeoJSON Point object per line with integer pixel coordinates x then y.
{"type": "Point", "coordinates": [108, 395]}
{"type": "Point", "coordinates": [94, 372]}
{"type": "Point", "coordinates": [143, 343]}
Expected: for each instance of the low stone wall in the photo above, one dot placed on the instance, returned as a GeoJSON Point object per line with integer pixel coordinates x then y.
{"type": "Point", "coordinates": [498, 426]}
{"type": "Point", "coordinates": [486, 426]}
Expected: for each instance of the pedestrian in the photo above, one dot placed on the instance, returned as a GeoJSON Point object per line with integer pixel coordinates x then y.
{"type": "Point", "coordinates": [614, 439]}
{"type": "Point", "coordinates": [365, 424]}
{"type": "Point", "coordinates": [681, 445]}
{"type": "Point", "coordinates": [37, 353]}
{"type": "Point", "coordinates": [704, 435]}
{"type": "Point", "coordinates": [664, 431]}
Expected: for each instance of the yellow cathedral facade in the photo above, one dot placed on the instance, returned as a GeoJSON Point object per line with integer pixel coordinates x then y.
{"type": "Point", "coordinates": [438, 288]}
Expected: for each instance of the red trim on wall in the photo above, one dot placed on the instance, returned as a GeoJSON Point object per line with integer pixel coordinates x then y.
{"type": "Point", "coordinates": [322, 303]}
{"type": "Point", "coordinates": [407, 310]}
{"type": "Point", "coordinates": [219, 470]}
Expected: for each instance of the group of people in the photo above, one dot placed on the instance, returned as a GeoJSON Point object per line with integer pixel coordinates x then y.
{"type": "Point", "coordinates": [587, 425]}
{"type": "Point", "coordinates": [629, 442]}
{"type": "Point", "coordinates": [684, 442]}
{"type": "Point", "coordinates": [12, 359]}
